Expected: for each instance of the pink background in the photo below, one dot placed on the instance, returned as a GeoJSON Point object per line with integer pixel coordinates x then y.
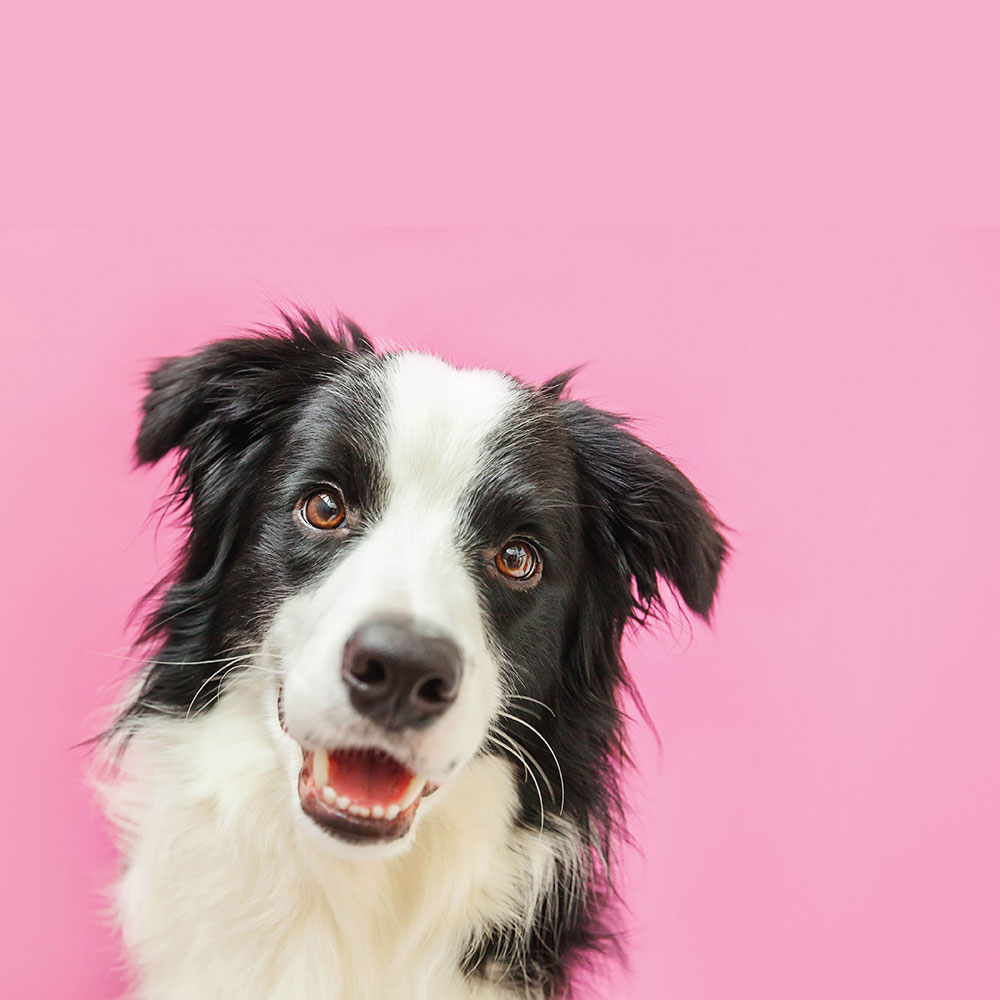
{"type": "Point", "coordinates": [446, 111]}
{"type": "Point", "coordinates": [821, 819]}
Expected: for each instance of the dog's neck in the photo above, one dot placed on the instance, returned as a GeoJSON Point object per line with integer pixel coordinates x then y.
{"type": "Point", "coordinates": [229, 892]}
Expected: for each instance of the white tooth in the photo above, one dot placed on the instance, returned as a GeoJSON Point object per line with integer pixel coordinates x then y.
{"type": "Point", "coordinates": [391, 812]}
{"type": "Point", "coordinates": [343, 801]}
{"type": "Point", "coordinates": [413, 789]}
{"type": "Point", "coordinates": [321, 768]}
{"type": "Point", "coordinates": [358, 811]}
{"type": "Point", "coordinates": [377, 812]}
{"type": "Point", "coordinates": [329, 795]}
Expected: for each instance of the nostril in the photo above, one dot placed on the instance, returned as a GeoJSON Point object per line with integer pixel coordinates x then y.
{"type": "Point", "coordinates": [434, 691]}
{"type": "Point", "coordinates": [369, 672]}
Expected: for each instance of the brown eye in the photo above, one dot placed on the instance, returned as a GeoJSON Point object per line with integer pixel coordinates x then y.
{"type": "Point", "coordinates": [518, 559]}
{"type": "Point", "coordinates": [324, 509]}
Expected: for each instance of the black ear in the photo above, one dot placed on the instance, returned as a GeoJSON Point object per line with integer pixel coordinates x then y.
{"type": "Point", "coordinates": [224, 408]}
{"type": "Point", "coordinates": [229, 396]}
{"type": "Point", "coordinates": [644, 512]}
{"type": "Point", "coordinates": [556, 386]}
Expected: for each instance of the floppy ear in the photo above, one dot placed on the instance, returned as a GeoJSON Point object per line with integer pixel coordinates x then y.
{"type": "Point", "coordinates": [228, 396]}
{"type": "Point", "coordinates": [645, 514]}
{"type": "Point", "coordinates": [224, 409]}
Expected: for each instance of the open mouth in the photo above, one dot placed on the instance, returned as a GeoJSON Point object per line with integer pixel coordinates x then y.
{"type": "Point", "coordinates": [361, 794]}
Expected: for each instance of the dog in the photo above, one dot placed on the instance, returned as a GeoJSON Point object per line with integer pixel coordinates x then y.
{"type": "Point", "coordinates": [375, 751]}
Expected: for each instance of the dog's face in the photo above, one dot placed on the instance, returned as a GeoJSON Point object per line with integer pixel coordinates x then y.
{"type": "Point", "coordinates": [417, 516]}
{"type": "Point", "coordinates": [429, 564]}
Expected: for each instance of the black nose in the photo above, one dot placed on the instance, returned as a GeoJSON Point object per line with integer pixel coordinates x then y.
{"type": "Point", "coordinates": [399, 675]}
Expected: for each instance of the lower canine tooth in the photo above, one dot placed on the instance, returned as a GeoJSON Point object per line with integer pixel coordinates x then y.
{"type": "Point", "coordinates": [321, 768]}
{"type": "Point", "coordinates": [391, 812]}
{"type": "Point", "coordinates": [413, 789]}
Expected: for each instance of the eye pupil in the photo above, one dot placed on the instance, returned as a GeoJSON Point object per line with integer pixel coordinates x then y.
{"type": "Point", "coordinates": [515, 556]}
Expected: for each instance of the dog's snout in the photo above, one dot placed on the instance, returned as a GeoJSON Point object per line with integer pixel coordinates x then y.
{"type": "Point", "coordinates": [399, 675]}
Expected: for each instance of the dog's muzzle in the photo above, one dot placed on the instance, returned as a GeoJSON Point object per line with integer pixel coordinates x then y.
{"type": "Point", "coordinates": [401, 676]}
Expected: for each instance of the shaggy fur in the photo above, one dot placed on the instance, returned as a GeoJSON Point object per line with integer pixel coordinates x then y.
{"type": "Point", "coordinates": [503, 883]}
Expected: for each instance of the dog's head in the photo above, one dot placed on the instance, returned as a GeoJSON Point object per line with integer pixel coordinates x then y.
{"type": "Point", "coordinates": [428, 564]}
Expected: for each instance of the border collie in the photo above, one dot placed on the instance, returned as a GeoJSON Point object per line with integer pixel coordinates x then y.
{"type": "Point", "coordinates": [375, 751]}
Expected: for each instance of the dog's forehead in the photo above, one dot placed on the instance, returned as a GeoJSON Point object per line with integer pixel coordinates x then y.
{"type": "Point", "coordinates": [437, 420]}
{"type": "Point", "coordinates": [412, 430]}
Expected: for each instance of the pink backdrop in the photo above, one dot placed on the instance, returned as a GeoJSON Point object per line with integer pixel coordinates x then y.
{"type": "Point", "coordinates": [821, 819]}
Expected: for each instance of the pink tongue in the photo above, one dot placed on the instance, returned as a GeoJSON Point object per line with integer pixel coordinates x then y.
{"type": "Point", "coordinates": [368, 777]}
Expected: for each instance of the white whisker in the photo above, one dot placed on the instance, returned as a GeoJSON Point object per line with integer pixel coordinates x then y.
{"type": "Point", "coordinates": [541, 771]}
{"type": "Point", "coordinates": [230, 664]}
{"type": "Point", "coordinates": [514, 748]}
{"type": "Point", "coordinates": [524, 697]}
{"type": "Point", "coordinates": [562, 785]}
{"type": "Point", "coordinates": [176, 663]}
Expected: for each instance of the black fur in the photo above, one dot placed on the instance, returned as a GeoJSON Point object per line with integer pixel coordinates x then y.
{"type": "Point", "coordinates": [228, 410]}
{"type": "Point", "coordinates": [257, 420]}
{"type": "Point", "coordinates": [620, 518]}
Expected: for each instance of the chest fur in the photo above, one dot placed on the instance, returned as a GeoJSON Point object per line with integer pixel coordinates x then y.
{"type": "Point", "coordinates": [228, 893]}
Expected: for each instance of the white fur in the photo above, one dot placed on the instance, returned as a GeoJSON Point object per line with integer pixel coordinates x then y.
{"type": "Point", "coordinates": [410, 563]}
{"type": "Point", "coordinates": [226, 897]}
{"type": "Point", "coordinates": [232, 893]}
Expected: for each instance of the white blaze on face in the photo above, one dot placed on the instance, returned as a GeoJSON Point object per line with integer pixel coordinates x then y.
{"type": "Point", "coordinates": [410, 562]}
